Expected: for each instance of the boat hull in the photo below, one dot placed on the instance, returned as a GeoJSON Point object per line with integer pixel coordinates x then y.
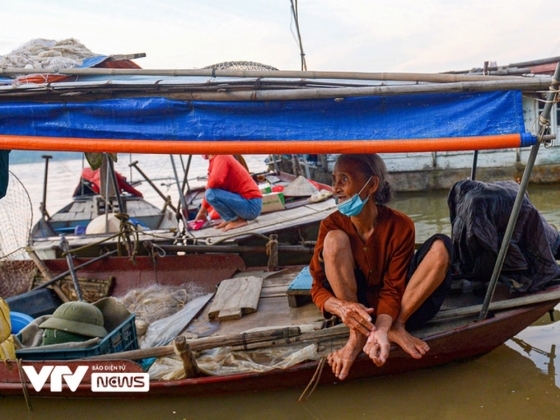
{"type": "Point", "coordinates": [471, 340]}
{"type": "Point", "coordinates": [450, 340]}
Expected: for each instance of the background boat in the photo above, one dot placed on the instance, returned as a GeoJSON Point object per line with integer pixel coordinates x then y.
{"type": "Point", "coordinates": [293, 219]}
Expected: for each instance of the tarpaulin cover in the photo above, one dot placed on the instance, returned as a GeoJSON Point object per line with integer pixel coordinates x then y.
{"type": "Point", "coordinates": [480, 214]}
{"type": "Point", "coordinates": [418, 116]}
{"type": "Point", "coordinates": [4, 174]}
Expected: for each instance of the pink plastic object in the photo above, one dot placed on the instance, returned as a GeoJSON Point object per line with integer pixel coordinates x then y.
{"type": "Point", "coordinates": [196, 224]}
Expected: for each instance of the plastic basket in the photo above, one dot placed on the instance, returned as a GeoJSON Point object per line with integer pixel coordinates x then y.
{"type": "Point", "coordinates": [123, 338]}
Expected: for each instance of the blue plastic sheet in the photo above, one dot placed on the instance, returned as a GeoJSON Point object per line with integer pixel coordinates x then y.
{"type": "Point", "coordinates": [420, 116]}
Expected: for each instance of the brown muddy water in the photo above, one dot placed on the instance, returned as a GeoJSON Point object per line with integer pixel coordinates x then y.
{"type": "Point", "coordinates": [516, 381]}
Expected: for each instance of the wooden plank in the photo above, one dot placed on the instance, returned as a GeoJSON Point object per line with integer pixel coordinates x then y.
{"type": "Point", "coordinates": [236, 297]}
{"type": "Point", "coordinates": [270, 221]}
{"type": "Point", "coordinates": [119, 57]}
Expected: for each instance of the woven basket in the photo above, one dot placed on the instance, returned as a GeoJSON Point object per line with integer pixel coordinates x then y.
{"type": "Point", "coordinates": [92, 289]}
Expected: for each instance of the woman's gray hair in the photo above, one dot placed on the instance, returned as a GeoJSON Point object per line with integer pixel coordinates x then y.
{"type": "Point", "coordinates": [372, 165]}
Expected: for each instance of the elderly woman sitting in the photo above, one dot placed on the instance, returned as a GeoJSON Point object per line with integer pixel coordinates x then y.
{"type": "Point", "coordinates": [365, 270]}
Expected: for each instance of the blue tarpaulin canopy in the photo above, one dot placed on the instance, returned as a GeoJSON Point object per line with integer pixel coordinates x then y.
{"type": "Point", "coordinates": [417, 116]}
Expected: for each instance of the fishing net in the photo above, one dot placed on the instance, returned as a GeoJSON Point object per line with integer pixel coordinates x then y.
{"type": "Point", "coordinates": [16, 216]}
{"type": "Point", "coordinates": [47, 54]}
{"type": "Point", "coordinates": [240, 65]}
{"type": "Point", "coordinates": [157, 302]}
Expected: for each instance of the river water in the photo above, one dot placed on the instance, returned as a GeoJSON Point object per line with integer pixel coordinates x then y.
{"type": "Point", "coordinates": [516, 381]}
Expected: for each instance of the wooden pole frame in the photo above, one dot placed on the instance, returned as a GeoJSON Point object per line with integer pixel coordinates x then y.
{"type": "Point", "coordinates": [275, 74]}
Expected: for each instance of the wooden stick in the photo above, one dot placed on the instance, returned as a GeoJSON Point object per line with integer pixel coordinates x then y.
{"type": "Point", "coordinates": [183, 350]}
{"type": "Point", "coordinates": [46, 274]}
{"type": "Point", "coordinates": [206, 343]}
{"type": "Point", "coordinates": [85, 264]}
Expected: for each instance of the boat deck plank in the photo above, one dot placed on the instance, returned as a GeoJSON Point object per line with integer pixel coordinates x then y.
{"type": "Point", "coordinates": [268, 222]}
{"type": "Point", "coordinates": [272, 311]}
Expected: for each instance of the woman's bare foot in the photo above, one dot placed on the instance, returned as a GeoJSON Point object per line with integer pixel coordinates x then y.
{"type": "Point", "coordinates": [235, 224]}
{"type": "Point", "coordinates": [341, 360]}
{"type": "Point", "coordinates": [410, 344]}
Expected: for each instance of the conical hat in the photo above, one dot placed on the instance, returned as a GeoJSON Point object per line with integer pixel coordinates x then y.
{"type": "Point", "coordinates": [300, 187]}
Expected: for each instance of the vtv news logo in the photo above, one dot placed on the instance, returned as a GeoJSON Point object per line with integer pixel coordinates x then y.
{"type": "Point", "coordinates": [100, 382]}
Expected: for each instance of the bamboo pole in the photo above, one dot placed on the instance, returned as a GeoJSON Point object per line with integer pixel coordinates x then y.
{"type": "Point", "coordinates": [535, 62]}
{"type": "Point", "coordinates": [199, 344]}
{"type": "Point", "coordinates": [238, 249]}
{"type": "Point", "coordinates": [166, 199]}
{"type": "Point", "coordinates": [274, 74]}
{"type": "Point", "coordinates": [521, 67]}
{"type": "Point", "coordinates": [500, 305]}
{"type": "Point", "coordinates": [533, 85]}
{"type": "Point", "coordinates": [225, 92]}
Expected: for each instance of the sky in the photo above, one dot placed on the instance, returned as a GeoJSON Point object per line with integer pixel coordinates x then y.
{"type": "Point", "coordinates": [344, 35]}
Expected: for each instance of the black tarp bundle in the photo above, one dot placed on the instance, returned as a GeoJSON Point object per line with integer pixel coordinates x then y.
{"type": "Point", "coordinates": [4, 174]}
{"type": "Point", "coordinates": [479, 216]}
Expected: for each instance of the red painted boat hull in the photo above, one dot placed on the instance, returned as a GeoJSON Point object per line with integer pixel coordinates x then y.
{"type": "Point", "coordinates": [470, 340]}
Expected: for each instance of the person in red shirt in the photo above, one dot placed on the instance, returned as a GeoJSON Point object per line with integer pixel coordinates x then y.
{"type": "Point", "coordinates": [90, 183]}
{"type": "Point", "coordinates": [231, 191]}
{"type": "Point", "coordinates": [365, 271]}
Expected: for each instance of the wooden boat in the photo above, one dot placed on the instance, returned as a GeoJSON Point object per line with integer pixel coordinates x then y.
{"type": "Point", "coordinates": [98, 215]}
{"type": "Point", "coordinates": [294, 220]}
{"type": "Point", "coordinates": [455, 334]}
{"type": "Point", "coordinates": [278, 112]}
{"type": "Point", "coordinates": [83, 209]}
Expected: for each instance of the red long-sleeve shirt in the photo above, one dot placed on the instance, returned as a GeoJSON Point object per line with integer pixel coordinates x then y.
{"type": "Point", "coordinates": [94, 176]}
{"type": "Point", "coordinates": [384, 258]}
{"type": "Point", "coordinates": [226, 173]}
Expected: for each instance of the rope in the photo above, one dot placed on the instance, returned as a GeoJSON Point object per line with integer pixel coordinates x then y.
{"type": "Point", "coordinates": [295, 15]}
{"type": "Point", "coordinates": [272, 252]}
{"type": "Point", "coordinates": [127, 229]}
{"type": "Point", "coordinates": [157, 250]}
{"type": "Point", "coordinates": [7, 256]}
{"type": "Point", "coordinates": [214, 241]}
{"type": "Point", "coordinates": [90, 244]}
{"type": "Point", "coordinates": [314, 380]}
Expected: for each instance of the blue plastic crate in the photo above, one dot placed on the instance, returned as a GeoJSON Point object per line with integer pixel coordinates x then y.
{"type": "Point", "coordinates": [123, 338]}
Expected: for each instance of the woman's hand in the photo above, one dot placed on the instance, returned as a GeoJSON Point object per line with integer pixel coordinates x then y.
{"type": "Point", "coordinates": [353, 314]}
{"type": "Point", "coordinates": [377, 345]}
{"type": "Point", "coordinates": [202, 213]}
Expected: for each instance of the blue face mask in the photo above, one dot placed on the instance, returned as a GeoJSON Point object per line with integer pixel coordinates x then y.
{"type": "Point", "coordinates": [354, 205]}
